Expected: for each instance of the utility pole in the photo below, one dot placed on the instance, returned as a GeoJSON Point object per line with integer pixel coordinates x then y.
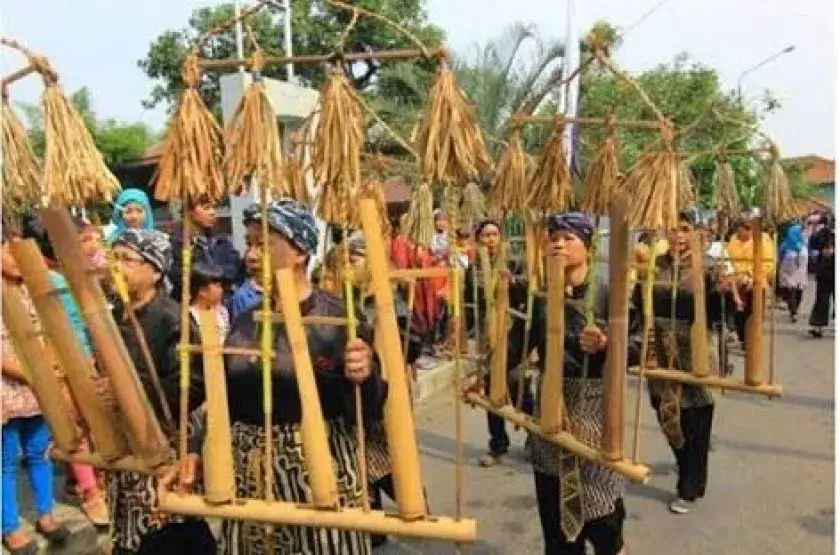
{"type": "Point", "coordinates": [240, 46]}
{"type": "Point", "coordinates": [571, 60]}
{"type": "Point", "coordinates": [287, 39]}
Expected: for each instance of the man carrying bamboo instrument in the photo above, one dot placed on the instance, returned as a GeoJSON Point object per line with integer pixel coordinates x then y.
{"type": "Point", "coordinates": [684, 411]}
{"type": "Point", "coordinates": [145, 256]}
{"type": "Point", "coordinates": [488, 234]}
{"type": "Point", "coordinates": [600, 514]}
{"type": "Point", "coordinates": [339, 366]}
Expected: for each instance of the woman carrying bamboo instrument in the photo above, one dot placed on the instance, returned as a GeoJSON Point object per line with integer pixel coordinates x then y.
{"type": "Point", "coordinates": [145, 256]}
{"type": "Point", "coordinates": [601, 513]}
{"type": "Point", "coordinates": [684, 411]}
{"type": "Point", "coordinates": [24, 430]}
{"type": "Point", "coordinates": [339, 366]}
{"type": "Point", "coordinates": [488, 234]}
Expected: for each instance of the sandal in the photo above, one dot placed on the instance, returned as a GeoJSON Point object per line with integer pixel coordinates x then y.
{"type": "Point", "coordinates": [29, 548]}
{"type": "Point", "coordinates": [96, 511]}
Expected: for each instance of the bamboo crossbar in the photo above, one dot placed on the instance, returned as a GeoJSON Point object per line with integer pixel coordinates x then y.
{"type": "Point", "coordinates": [282, 513]}
{"type": "Point", "coordinates": [130, 463]}
{"type": "Point", "coordinates": [237, 351]}
{"type": "Point", "coordinates": [277, 318]}
{"type": "Point", "coordinates": [402, 273]}
{"type": "Point", "coordinates": [17, 75]}
{"type": "Point", "coordinates": [637, 473]}
{"type": "Point", "coordinates": [404, 54]}
{"type": "Point", "coordinates": [770, 389]}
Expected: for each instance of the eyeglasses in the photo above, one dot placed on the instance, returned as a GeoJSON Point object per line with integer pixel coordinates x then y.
{"type": "Point", "coordinates": [128, 260]}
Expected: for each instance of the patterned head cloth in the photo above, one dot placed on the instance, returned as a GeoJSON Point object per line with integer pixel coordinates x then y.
{"type": "Point", "coordinates": [357, 245]}
{"type": "Point", "coordinates": [290, 219]}
{"type": "Point", "coordinates": [574, 222]}
{"type": "Point", "coordinates": [152, 245]}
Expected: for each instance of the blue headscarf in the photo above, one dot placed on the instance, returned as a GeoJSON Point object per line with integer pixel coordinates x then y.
{"type": "Point", "coordinates": [130, 196]}
{"type": "Point", "coordinates": [793, 240]}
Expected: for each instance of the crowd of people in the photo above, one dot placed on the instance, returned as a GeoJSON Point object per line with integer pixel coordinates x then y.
{"type": "Point", "coordinates": [230, 284]}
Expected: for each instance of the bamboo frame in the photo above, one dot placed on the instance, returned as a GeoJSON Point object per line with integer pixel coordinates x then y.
{"type": "Point", "coordinates": [317, 458]}
{"type": "Point", "coordinates": [552, 402]}
{"type": "Point", "coordinates": [403, 54]}
{"type": "Point", "coordinates": [699, 328]}
{"type": "Point", "coordinates": [144, 434]}
{"type": "Point", "coordinates": [217, 452]}
{"type": "Point", "coordinates": [107, 436]}
{"type": "Point", "coordinates": [755, 324]}
{"type": "Point", "coordinates": [41, 377]}
{"type": "Point", "coordinates": [615, 380]}
{"type": "Point", "coordinates": [771, 390]}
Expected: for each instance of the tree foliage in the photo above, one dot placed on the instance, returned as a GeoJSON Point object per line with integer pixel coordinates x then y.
{"type": "Point", "coordinates": [118, 142]}
{"type": "Point", "coordinates": [316, 29]}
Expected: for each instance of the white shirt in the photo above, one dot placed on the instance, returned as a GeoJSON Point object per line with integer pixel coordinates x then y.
{"type": "Point", "coordinates": [715, 252]}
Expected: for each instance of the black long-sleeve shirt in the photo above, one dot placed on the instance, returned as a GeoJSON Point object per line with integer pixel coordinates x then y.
{"type": "Point", "coordinates": [160, 320]}
{"type": "Point", "coordinates": [575, 321]}
{"type": "Point", "coordinates": [326, 349]}
{"type": "Point", "coordinates": [210, 248]}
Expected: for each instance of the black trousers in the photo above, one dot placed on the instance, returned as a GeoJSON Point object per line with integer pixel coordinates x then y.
{"type": "Point", "coordinates": [606, 534]}
{"type": "Point", "coordinates": [180, 538]}
{"type": "Point", "coordinates": [822, 303]}
{"type": "Point", "coordinates": [741, 316]}
{"type": "Point", "coordinates": [499, 440]}
{"type": "Point", "coordinates": [693, 456]}
{"type": "Point", "coordinates": [793, 298]}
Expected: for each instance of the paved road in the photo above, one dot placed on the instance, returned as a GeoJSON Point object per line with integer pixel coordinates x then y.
{"type": "Point", "coordinates": [771, 485]}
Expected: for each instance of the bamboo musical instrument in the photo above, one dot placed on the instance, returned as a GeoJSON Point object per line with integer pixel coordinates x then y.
{"type": "Point", "coordinates": [143, 430]}
{"type": "Point", "coordinates": [499, 349]}
{"type": "Point", "coordinates": [699, 329]}
{"type": "Point", "coordinates": [612, 440]}
{"type": "Point", "coordinates": [755, 323]}
{"type": "Point", "coordinates": [76, 366]}
{"type": "Point", "coordinates": [312, 427]}
{"type": "Point", "coordinates": [399, 420]}
{"type": "Point", "coordinates": [41, 377]}
{"type": "Point", "coordinates": [552, 404]}
{"type": "Point", "coordinates": [216, 453]}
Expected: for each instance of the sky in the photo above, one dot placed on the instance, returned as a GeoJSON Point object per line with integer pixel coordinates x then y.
{"type": "Point", "coordinates": [97, 43]}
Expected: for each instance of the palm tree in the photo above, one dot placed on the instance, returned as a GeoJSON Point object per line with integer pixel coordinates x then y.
{"type": "Point", "coordinates": [513, 74]}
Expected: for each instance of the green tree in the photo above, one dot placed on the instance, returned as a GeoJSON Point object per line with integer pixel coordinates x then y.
{"type": "Point", "coordinates": [316, 28]}
{"type": "Point", "coordinates": [117, 141]}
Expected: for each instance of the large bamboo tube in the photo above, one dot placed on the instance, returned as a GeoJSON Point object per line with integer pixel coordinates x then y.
{"type": "Point", "coordinates": [68, 351]}
{"type": "Point", "coordinates": [699, 331]}
{"type": "Point", "coordinates": [755, 323]}
{"type": "Point", "coordinates": [217, 452]}
{"type": "Point", "coordinates": [499, 352]}
{"type": "Point", "coordinates": [144, 433]}
{"type": "Point", "coordinates": [35, 364]}
{"type": "Point", "coordinates": [612, 440]}
{"type": "Point", "coordinates": [290, 514]}
{"type": "Point", "coordinates": [316, 449]}
{"type": "Point", "coordinates": [552, 404]}
{"type": "Point", "coordinates": [398, 417]}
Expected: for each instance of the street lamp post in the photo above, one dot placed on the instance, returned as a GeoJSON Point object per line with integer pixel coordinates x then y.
{"type": "Point", "coordinates": [786, 50]}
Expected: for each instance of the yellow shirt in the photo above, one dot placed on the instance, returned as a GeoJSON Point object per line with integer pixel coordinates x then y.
{"type": "Point", "coordinates": [742, 254]}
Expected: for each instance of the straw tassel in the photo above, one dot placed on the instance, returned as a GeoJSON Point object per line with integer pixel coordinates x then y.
{"type": "Point", "coordinates": [449, 140]}
{"type": "Point", "coordinates": [339, 138]}
{"type": "Point", "coordinates": [253, 139]}
{"type": "Point", "coordinates": [656, 188]}
{"type": "Point", "coordinates": [191, 165]}
{"type": "Point", "coordinates": [473, 203]}
{"type": "Point", "coordinates": [602, 177]}
{"type": "Point", "coordinates": [509, 190]}
{"type": "Point", "coordinates": [294, 180]}
{"type": "Point", "coordinates": [551, 181]}
{"type": "Point", "coordinates": [777, 201]}
{"type": "Point", "coordinates": [419, 226]}
{"type": "Point", "coordinates": [21, 169]}
{"type": "Point", "coordinates": [74, 170]}
{"type": "Point", "coordinates": [727, 200]}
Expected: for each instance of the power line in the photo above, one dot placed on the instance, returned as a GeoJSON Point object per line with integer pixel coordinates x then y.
{"type": "Point", "coordinates": [644, 17]}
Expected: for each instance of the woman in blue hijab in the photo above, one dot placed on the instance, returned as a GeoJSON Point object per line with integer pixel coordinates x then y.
{"type": "Point", "coordinates": [132, 210]}
{"type": "Point", "coordinates": [793, 269]}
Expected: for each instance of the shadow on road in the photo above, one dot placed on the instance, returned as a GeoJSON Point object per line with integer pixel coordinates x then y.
{"type": "Point", "coordinates": [822, 403]}
{"type": "Point", "coordinates": [821, 524]}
